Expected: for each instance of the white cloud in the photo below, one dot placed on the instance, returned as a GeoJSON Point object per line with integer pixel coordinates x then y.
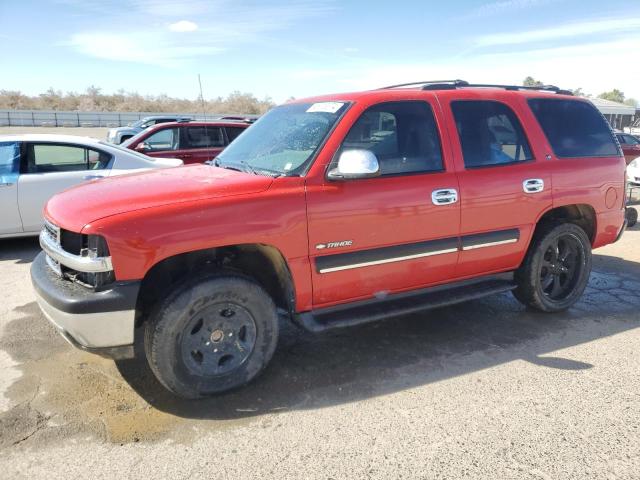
{"type": "Point", "coordinates": [139, 48]}
{"type": "Point", "coordinates": [183, 26]}
{"type": "Point", "coordinates": [221, 24]}
{"type": "Point", "coordinates": [611, 25]}
{"type": "Point", "coordinates": [504, 6]}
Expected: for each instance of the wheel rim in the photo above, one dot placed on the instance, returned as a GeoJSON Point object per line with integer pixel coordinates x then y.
{"type": "Point", "coordinates": [562, 265]}
{"type": "Point", "coordinates": [218, 339]}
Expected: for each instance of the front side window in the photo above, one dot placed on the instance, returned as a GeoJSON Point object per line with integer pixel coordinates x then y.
{"type": "Point", "coordinates": [402, 135]}
{"type": "Point", "coordinates": [574, 128]}
{"type": "Point", "coordinates": [631, 140]}
{"type": "Point", "coordinates": [490, 133]}
{"type": "Point", "coordinates": [47, 158]}
{"type": "Point", "coordinates": [203, 137]}
{"type": "Point", "coordinates": [9, 161]}
{"type": "Point", "coordinates": [167, 139]}
{"type": "Point", "coordinates": [284, 140]}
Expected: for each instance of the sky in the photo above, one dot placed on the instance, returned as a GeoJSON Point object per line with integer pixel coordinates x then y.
{"type": "Point", "coordinates": [300, 48]}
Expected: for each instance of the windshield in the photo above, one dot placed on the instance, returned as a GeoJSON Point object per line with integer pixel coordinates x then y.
{"type": "Point", "coordinates": [284, 139]}
{"type": "Point", "coordinates": [142, 123]}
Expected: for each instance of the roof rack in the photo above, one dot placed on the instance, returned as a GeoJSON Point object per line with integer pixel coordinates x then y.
{"type": "Point", "coordinates": [453, 84]}
{"type": "Point", "coordinates": [429, 84]}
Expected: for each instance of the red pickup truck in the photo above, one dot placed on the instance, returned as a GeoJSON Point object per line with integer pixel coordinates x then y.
{"type": "Point", "coordinates": [334, 211]}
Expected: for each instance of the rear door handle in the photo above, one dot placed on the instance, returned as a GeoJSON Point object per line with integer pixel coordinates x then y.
{"type": "Point", "coordinates": [92, 177]}
{"type": "Point", "coordinates": [533, 185]}
{"type": "Point", "coordinates": [444, 196]}
{"type": "Point", "coordinates": [6, 184]}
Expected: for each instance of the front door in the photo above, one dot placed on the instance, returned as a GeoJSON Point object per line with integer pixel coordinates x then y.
{"type": "Point", "coordinates": [10, 221]}
{"type": "Point", "coordinates": [505, 185]}
{"type": "Point", "coordinates": [369, 237]}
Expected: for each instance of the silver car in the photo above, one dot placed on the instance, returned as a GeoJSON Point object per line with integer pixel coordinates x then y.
{"type": "Point", "coordinates": [120, 134]}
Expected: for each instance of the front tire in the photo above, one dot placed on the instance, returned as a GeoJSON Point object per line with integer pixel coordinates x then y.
{"type": "Point", "coordinates": [212, 335]}
{"type": "Point", "coordinates": [556, 269]}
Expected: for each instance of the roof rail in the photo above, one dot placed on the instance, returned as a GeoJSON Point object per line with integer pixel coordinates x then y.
{"type": "Point", "coordinates": [543, 88]}
{"type": "Point", "coordinates": [453, 84]}
{"type": "Point", "coordinates": [444, 84]}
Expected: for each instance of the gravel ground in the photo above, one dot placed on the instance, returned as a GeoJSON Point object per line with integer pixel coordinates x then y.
{"type": "Point", "coordinates": [481, 390]}
{"type": "Point", "coordinates": [97, 132]}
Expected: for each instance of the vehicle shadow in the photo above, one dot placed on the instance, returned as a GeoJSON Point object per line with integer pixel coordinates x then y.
{"type": "Point", "coordinates": [24, 249]}
{"type": "Point", "coordinates": [315, 371]}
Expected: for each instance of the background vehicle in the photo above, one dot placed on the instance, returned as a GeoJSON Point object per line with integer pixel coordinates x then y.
{"type": "Point", "coordinates": [634, 129]}
{"type": "Point", "coordinates": [192, 142]}
{"type": "Point", "coordinates": [630, 146]}
{"type": "Point", "coordinates": [336, 211]}
{"type": "Point", "coordinates": [35, 167]}
{"type": "Point", "coordinates": [120, 134]}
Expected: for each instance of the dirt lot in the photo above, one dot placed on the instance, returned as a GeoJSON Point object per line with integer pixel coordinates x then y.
{"type": "Point", "coordinates": [481, 390]}
{"type": "Point", "coordinates": [98, 132]}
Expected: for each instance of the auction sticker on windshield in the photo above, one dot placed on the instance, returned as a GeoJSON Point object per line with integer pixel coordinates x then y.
{"type": "Point", "coordinates": [325, 107]}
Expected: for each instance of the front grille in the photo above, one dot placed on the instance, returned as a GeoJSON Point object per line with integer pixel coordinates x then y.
{"type": "Point", "coordinates": [53, 231]}
{"type": "Point", "coordinates": [78, 244]}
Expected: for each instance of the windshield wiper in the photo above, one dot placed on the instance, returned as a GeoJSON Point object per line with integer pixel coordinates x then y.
{"type": "Point", "coordinates": [248, 166]}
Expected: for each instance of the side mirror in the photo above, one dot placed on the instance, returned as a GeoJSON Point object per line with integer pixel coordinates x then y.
{"type": "Point", "coordinates": [355, 164]}
{"type": "Point", "coordinates": [141, 147]}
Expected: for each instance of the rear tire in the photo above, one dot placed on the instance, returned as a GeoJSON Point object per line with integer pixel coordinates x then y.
{"type": "Point", "coordinates": [212, 335]}
{"type": "Point", "coordinates": [556, 269]}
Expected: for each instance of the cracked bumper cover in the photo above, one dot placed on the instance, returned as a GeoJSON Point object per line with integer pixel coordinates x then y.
{"type": "Point", "coordinates": [99, 322]}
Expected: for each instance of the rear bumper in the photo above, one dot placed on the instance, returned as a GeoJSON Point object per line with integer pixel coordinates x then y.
{"type": "Point", "coordinates": [99, 322]}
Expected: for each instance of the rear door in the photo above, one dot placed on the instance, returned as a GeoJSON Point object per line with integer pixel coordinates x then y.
{"type": "Point", "coordinates": [200, 143]}
{"type": "Point", "coordinates": [49, 168]}
{"type": "Point", "coordinates": [10, 221]}
{"type": "Point", "coordinates": [372, 236]}
{"type": "Point", "coordinates": [505, 183]}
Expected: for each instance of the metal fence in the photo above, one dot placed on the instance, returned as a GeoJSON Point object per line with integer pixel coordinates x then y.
{"type": "Point", "coordinates": [51, 118]}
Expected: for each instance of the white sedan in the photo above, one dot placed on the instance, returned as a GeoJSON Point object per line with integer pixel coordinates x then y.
{"type": "Point", "coordinates": [34, 167]}
{"type": "Point", "coordinates": [633, 172]}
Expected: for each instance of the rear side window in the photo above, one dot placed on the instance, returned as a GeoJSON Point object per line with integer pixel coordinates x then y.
{"type": "Point", "coordinates": [490, 133]}
{"type": "Point", "coordinates": [402, 135]}
{"type": "Point", "coordinates": [574, 128]}
{"type": "Point", "coordinates": [47, 158]}
{"type": "Point", "coordinates": [233, 132]}
{"type": "Point", "coordinates": [203, 137]}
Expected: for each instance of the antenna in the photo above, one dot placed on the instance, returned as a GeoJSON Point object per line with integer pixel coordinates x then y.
{"type": "Point", "coordinates": [204, 114]}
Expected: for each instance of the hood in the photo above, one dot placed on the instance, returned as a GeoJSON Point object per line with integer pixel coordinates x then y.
{"type": "Point", "coordinates": [86, 203]}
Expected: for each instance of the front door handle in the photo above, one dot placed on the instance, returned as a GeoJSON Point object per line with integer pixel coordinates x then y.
{"type": "Point", "coordinates": [444, 196]}
{"type": "Point", "coordinates": [533, 185]}
{"type": "Point", "coordinates": [6, 184]}
{"type": "Point", "coordinates": [92, 177]}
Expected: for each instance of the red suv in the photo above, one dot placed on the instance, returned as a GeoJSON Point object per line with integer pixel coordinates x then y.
{"type": "Point", "coordinates": [335, 211]}
{"type": "Point", "coordinates": [191, 142]}
{"type": "Point", "coordinates": [630, 146]}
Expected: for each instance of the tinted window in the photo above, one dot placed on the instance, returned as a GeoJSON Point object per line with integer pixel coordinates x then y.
{"type": "Point", "coordinates": [630, 140]}
{"type": "Point", "coordinates": [490, 133]}
{"type": "Point", "coordinates": [233, 132]}
{"type": "Point", "coordinates": [574, 128]}
{"type": "Point", "coordinates": [403, 135]}
{"type": "Point", "coordinates": [44, 158]}
{"type": "Point", "coordinates": [167, 139]}
{"type": "Point", "coordinates": [203, 137]}
{"type": "Point", "coordinates": [9, 159]}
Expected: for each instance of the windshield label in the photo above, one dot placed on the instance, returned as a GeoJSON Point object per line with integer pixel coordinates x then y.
{"type": "Point", "coordinates": [325, 107]}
